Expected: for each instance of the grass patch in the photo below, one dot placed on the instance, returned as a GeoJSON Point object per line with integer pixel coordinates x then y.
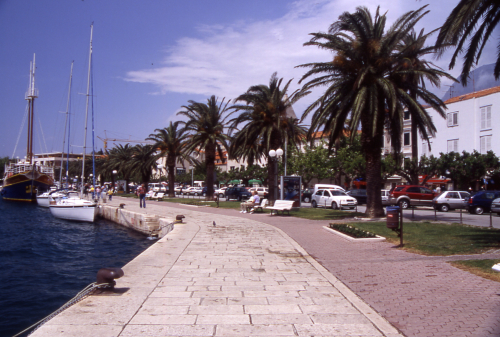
{"type": "Point", "coordinates": [324, 214]}
{"type": "Point", "coordinates": [479, 267]}
{"type": "Point", "coordinates": [352, 231]}
{"type": "Point", "coordinates": [430, 238]}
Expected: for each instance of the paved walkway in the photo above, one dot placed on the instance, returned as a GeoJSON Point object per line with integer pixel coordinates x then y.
{"type": "Point", "coordinates": [420, 295]}
{"type": "Point", "coordinates": [241, 277]}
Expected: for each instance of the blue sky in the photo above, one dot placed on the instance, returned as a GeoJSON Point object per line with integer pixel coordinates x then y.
{"type": "Point", "coordinates": [152, 56]}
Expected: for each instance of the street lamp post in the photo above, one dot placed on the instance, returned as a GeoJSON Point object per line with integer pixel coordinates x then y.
{"type": "Point", "coordinates": [114, 178]}
{"type": "Point", "coordinates": [274, 157]}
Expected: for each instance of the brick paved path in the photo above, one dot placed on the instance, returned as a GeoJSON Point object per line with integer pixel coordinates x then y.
{"type": "Point", "coordinates": [420, 295]}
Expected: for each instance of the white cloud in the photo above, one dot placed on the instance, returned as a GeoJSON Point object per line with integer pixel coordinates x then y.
{"type": "Point", "coordinates": [226, 59]}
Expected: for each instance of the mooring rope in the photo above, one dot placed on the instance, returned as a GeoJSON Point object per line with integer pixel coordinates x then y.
{"type": "Point", "coordinates": [80, 296]}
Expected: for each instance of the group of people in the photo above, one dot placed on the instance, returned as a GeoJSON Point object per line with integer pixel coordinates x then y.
{"type": "Point", "coordinates": [99, 192]}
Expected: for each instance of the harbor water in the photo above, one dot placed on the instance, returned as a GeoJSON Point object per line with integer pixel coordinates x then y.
{"type": "Point", "coordinates": [44, 261]}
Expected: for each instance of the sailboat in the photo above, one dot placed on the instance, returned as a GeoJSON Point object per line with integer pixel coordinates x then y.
{"type": "Point", "coordinates": [75, 207]}
{"type": "Point", "coordinates": [43, 198]}
{"type": "Point", "coordinates": [23, 178]}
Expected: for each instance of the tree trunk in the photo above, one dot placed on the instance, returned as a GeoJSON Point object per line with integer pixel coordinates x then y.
{"type": "Point", "coordinates": [210, 163]}
{"type": "Point", "coordinates": [414, 146]}
{"type": "Point", "coordinates": [372, 148]}
{"type": "Point", "coordinates": [171, 176]}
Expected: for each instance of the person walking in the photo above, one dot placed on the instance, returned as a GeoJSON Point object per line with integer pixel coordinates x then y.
{"type": "Point", "coordinates": [97, 193]}
{"type": "Point", "coordinates": [141, 192]}
{"type": "Point", "coordinates": [110, 194]}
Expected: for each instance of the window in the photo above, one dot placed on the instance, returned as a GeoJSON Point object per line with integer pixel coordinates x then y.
{"type": "Point", "coordinates": [453, 145]}
{"type": "Point", "coordinates": [452, 119]}
{"type": "Point", "coordinates": [485, 143]}
{"type": "Point", "coordinates": [425, 149]}
{"type": "Point", "coordinates": [407, 115]}
{"type": "Point", "coordinates": [486, 117]}
{"type": "Point", "coordinates": [406, 139]}
{"type": "Point", "coordinates": [232, 168]}
{"type": "Point", "coordinates": [452, 195]}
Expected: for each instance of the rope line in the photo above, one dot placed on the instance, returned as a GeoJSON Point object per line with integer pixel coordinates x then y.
{"type": "Point", "coordinates": [80, 296]}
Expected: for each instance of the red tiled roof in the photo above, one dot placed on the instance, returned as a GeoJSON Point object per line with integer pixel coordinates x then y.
{"type": "Point", "coordinates": [475, 94]}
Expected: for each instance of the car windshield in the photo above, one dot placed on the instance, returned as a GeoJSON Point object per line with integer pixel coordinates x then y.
{"type": "Point", "coordinates": [337, 192]}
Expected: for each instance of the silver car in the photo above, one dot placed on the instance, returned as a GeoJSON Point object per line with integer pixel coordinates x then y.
{"type": "Point", "coordinates": [495, 206]}
{"type": "Point", "coordinates": [385, 197]}
{"type": "Point", "coordinates": [450, 200]}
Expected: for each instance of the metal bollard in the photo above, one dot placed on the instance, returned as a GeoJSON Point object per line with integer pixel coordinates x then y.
{"type": "Point", "coordinates": [460, 215]}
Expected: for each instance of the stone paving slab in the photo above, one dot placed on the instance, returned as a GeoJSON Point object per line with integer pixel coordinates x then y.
{"type": "Point", "coordinates": [239, 278]}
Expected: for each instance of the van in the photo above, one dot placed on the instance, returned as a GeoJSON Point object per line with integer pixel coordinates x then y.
{"type": "Point", "coordinates": [318, 187]}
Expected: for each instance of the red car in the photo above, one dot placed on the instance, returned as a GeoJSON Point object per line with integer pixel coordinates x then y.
{"type": "Point", "coordinates": [411, 195]}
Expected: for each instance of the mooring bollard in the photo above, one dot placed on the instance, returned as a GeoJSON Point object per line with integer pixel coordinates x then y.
{"type": "Point", "coordinates": [460, 215]}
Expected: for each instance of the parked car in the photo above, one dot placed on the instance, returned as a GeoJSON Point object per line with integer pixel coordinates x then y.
{"type": "Point", "coordinates": [220, 192]}
{"type": "Point", "coordinates": [495, 206]}
{"type": "Point", "coordinates": [333, 198]}
{"type": "Point", "coordinates": [306, 195]}
{"type": "Point", "coordinates": [239, 193]}
{"type": "Point", "coordinates": [411, 195]}
{"type": "Point", "coordinates": [326, 187]}
{"type": "Point", "coordinates": [192, 191]}
{"type": "Point", "coordinates": [385, 197]}
{"type": "Point", "coordinates": [450, 200]}
{"type": "Point", "coordinates": [481, 201]}
{"type": "Point", "coordinates": [261, 191]}
{"type": "Point", "coordinates": [359, 195]}
{"type": "Point", "coordinates": [178, 189]}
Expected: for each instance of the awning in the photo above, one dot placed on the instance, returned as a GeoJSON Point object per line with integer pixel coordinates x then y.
{"type": "Point", "coordinates": [255, 181]}
{"type": "Point", "coordinates": [235, 181]}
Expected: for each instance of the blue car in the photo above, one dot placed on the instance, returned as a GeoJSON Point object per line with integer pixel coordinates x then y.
{"type": "Point", "coordinates": [481, 201]}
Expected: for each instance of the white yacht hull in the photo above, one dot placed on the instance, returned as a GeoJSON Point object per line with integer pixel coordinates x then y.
{"type": "Point", "coordinates": [74, 209]}
{"type": "Point", "coordinates": [43, 199]}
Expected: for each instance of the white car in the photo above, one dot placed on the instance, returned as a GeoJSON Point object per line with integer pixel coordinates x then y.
{"type": "Point", "coordinates": [192, 191]}
{"type": "Point", "coordinates": [385, 197]}
{"type": "Point", "coordinates": [221, 192]}
{"type": "Point", "coordinates": [261, 191]}
{"type": "Point", "coordinates": [333, 198]}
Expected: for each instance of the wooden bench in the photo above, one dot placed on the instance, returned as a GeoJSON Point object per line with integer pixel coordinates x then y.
{"type": "Point", "coordinates": [263, 204]}
{"type": "Point", "coordinates": [281, 205]}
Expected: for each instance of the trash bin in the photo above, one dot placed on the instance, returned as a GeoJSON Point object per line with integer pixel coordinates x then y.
{"type": "Point", "coordinates": [392, 217]}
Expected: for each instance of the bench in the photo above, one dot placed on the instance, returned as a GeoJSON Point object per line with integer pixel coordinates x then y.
{"type": "Point", "coordinates": [281, 205]}
{"type": "Point", "coordinates": [263, 204]}
{"type": "Point", "coordinates": [158, 196]}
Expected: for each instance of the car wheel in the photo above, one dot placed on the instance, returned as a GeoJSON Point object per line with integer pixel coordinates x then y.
{"type": "Point", "coordinates": [195, 194]}
{"type": "Point", "coordinates": [444, 208]}
{"type": "Point", "coordinates": [314, 204]}
{"type": "Point", "coordinates": [479, 210]}
{"type": "Point", "coordinates": [203, 194]}
{"type": "Point", "coordinates": [404, 204]}
{"type": "Point", "coordinates": [307, 199]}
{"type": "Point", "coordinates": [221, 195]}
{"type": "Point", "coordinates": [334, 205]}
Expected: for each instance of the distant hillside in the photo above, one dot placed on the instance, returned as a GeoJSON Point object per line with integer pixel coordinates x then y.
{"type": "Point", "coordinates": [479, 79]}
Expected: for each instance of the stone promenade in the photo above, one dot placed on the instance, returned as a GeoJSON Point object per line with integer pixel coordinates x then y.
{"type": "Point", "coordinates": [241, 277]}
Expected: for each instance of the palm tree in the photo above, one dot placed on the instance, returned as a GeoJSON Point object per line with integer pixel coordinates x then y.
{"type": "Point", "coordinates": [475, 20]}
{"type": "Point", "coordinates": [206, 123]}
{"type": "Point", "coordinates": [266, 123]}
{"type": "Point", "coordinates": [171, 143]}
{"type": "Point", "coordinates": [142, 162]}
{"type": "Point", "coordinates": [119, 160]}
{"type": "Point", "coordinates": [362, 83]}
{"type": "Point", "coordinates": [413, 72]}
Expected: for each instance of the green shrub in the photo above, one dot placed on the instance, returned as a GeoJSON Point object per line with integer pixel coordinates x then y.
{"type": "Point", "coordinates": [352, 231]}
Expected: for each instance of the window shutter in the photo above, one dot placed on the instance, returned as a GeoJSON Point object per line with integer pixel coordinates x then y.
{"type": "Point", "coordinates": [455, 118]}
{"type": "Point", "coordinates": [483, 118]}
{"type": "Point", "coordinates": [488, 117]}
{"type": "Point", "coordinates": [488, 143]}
{"type": "Point", "coordinates": [450, 119]}
{"type": "Point", "coordinates": [482, 145]}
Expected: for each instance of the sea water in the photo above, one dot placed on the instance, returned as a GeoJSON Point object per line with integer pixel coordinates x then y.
{"type": "Point", "coordinates": [44, 261]}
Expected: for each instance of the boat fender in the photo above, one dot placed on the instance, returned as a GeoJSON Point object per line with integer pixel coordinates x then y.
{"type": "Point", "coordinates": [106, 277]}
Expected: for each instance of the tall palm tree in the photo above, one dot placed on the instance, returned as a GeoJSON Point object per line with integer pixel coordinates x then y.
{"type": "Point", "coordinates": [143, 161]}
{"type": "Point", "coordinates": [266, 124]}
{"type": "Point", "coordinates": [119, 160]}
{"type": "Point", "coordinates": [413, 71]}
{"type": "Point", "coordinates": [206, 123]}
{"type": "Point", "coordinates": [473, 20]}
{"type": "Point", "coordinates": [362, 83]}
{"type": "Point", "coordinates": [171, 143]}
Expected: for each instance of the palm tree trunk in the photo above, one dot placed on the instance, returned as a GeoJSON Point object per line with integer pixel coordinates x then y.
{"type": "Point", "coordinates": [372, 147]}
{"type": "Point", "coordinates": [171, 175]}
{"type": "Point", "coordinates": [414, 146]}
{"type": "Point", "coordinates": [210, 163]}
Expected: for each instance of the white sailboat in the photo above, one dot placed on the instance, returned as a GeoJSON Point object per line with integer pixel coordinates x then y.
{"type": "Point", "coordinates": [73, 206]}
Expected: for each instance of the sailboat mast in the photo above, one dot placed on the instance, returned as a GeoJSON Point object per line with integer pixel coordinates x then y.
{"type": "Point", "coordinates": [87, 110]}
{"type": "Point", "coordinates": [30, 97]}
{"type": "Point", "coordinates": [66, 128]}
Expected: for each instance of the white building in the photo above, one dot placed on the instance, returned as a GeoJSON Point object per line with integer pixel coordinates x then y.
{"type": "Point", "coordinates": [472, 123]}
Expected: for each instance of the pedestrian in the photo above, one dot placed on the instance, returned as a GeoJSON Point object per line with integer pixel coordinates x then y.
{"type": "Point", "coordinates": [92, 192]}
{"type": "Point", "coordinates": [438, 189]}
{"type": "Point", "coordinates": [97, 193]}
{"type": "Point", "coordinates": [86, 191]}
{"type": "Point", "coordinates": [141, 192]}
{"type": "Point", "coordinates": [104, 191]}
{"type": "Point", "coordinates": [110, 194]}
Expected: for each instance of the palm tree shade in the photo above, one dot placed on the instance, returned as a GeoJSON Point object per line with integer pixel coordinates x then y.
{"type": "Point", "coordinates": [266, 124]}
{"type": "Point", "coordinates": [470, 21]}
{"type": "Point", "coordinates": [205, 125]}
{"type": "Point", "coordinates": [170, 141]}
{"type": "Point", "coordinates": [363, 88]}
